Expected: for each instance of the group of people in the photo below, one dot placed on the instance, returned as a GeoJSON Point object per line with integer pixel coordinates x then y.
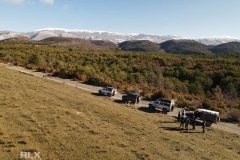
{"type": "Point", "coordinates": [185, 121]}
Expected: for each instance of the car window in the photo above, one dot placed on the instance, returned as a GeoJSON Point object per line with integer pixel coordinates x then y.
{"type": "Point", "coordinates": [167, 101]}
{"type": "Point", "coordinates": [168, 104]}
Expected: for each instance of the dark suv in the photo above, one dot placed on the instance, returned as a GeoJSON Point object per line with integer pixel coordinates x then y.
{"type": "Point", "coordinates": [131, 98]}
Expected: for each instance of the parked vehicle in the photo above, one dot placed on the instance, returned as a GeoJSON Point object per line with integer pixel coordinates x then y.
{"type": "Point", "coordinates": [166, 105]}
{"type": "Point", "coordinates": [108, 91]}
{"type": "Point", "coordinates": [205, 115]}
{"type": "Point", "coordinates": [131, 98]}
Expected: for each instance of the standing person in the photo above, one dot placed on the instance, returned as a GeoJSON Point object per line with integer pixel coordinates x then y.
{"type": "Point", "coordinates": [203, 126]}
{"type": "Point", "coordinates": [138, 99]}
{"type": "Point", "coordinates": [183, 112]}
{"type": "Point", "coordinates": [187, 121]}
{"type": "Point", "coordinates": [179, 117]}
{"type": "Point", "coordinates": [182, 120]}
{"type": "Point", "coordinates": [193, 122]}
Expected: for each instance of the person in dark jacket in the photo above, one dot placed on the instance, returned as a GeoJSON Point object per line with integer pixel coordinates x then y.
{"type": "Point", "coordinates": [187, 121]}
{"type": "Point", "coordinates": [193, 122]}
{"type": "Point", "coordinates": [179, 117]}
{"type": "Point", "coordinates": [182, 121]}
{"type": "Point", "coordinates": [203, 126]}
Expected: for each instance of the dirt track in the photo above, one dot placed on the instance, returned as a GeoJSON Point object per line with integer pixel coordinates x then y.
{"type": "Point", "coordinates": [228, 127]}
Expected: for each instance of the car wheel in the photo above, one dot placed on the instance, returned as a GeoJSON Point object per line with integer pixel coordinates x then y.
{"type": "Point", "coordinates": [208, 123]}
{"type": "Point", "coordinates": [151, 107]}
{"type": "Point", "coordinates": [164, 110]}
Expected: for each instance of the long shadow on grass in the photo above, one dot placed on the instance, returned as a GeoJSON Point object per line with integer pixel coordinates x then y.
{"type": "Point", "coordinates": [118, 101]}
{"type": "Point", "coordinates": [180, 130]}
{"type": "Point", "coordinates": [172, 128]}
{"type": "Point", "coordinates": [148, 110]}
{"type": "Point", "coordinates": [95, 94]}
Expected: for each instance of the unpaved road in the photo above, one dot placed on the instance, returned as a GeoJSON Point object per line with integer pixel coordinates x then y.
{"type": "Point", "coordinates": [228, 127]}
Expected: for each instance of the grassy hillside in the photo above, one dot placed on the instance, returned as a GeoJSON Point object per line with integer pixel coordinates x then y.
{"type": "Point", "coordinates": [140, 45]}
{"type": "Point", "coordinates": [226, 48]}
{"type": "Point", "coordinates": [63, 122]}
{"type": "Point", "coordinates": [185, 47]}
{"type": "Point", "coordinates": [65, 41]}
{"type": "Point", "coordinates": [78, 42]}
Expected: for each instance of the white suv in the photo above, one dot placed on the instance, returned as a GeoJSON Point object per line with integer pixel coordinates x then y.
{"type": "Point", "coordinates": [108, 91]}
{"type": "Point", "coordinates": [164, 104]}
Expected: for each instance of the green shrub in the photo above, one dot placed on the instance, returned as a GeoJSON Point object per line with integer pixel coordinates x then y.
{"type": "Point", "coordinates": [206, 104]}
{"type": "Point", "coordinates": [182, 102]}
{"type": "Point", "coordinates": [234, 115]}
{"type": "Point", "coordinates": [192, 108]}
{"type": "Point", "coordinates": [159, 94]}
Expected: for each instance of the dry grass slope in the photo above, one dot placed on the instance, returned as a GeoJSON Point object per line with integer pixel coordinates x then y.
{"type": "Point", "coordinates": [63, 122]}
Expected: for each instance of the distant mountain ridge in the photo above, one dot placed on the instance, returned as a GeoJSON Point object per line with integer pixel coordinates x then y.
{"type": "Point", "coordinates": [170, 46]}
{"type": "Point", "coordinates": [185, 47]}
{"type": "Point", "coordinates": [181, 46]}
{"type": "Point", "coordinates": [99, 40]}
{"type": "Point", "coordinates": [110, 36]}
{"type": "Point", "coordinates": [140, 45]}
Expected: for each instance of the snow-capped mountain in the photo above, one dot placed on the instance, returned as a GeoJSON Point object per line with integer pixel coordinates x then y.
{"type": "Point", "coordinates": [8, 34]}
{"type": "Point", "coordinates": [217, 40]}
{"type": "Point", "coordinates": [109, 36]}
{"type": "Point", "coordinates": [95, 35]}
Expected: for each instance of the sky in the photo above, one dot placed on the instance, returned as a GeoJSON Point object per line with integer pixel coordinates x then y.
{"type": "Point", "coordinates": [185, 18]}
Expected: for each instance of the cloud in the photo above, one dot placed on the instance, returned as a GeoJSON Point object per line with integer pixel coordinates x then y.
{"type": "Point", "coordinates": [47, 1]}
{"type": "Point", "coordinates": [28, 1]}
{"type": "Point", "coordinates": [13, 1]}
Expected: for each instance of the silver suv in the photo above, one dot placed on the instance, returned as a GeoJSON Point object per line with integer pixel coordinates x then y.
{"type": "Point", "coordinates": [164, 104]}
{"type": "Point", "coordinates": [108, 91]}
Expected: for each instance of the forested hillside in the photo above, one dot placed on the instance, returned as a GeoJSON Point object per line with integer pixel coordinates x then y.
{"type": "Point", "coordinates": [211, 81]}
